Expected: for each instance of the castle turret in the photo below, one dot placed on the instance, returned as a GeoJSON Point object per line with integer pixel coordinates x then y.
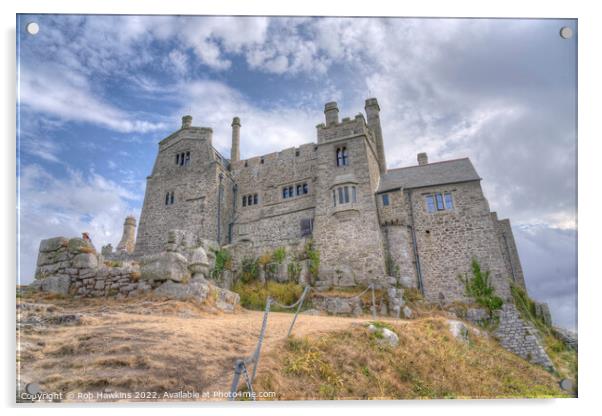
{"type": "Point", "coordinates": [373, 114]}
{"type": "Point", "coordinates": [235, 150]}
{"type": "Point", "coordinates": [128, 239]}
{"type": "Point", "coordinates": [186, 122]}
{"type": "Point", "coordinates": [331, 112]}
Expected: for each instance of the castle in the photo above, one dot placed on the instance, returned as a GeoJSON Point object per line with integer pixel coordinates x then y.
{"type": "Point", "coordinates": [423, 223]}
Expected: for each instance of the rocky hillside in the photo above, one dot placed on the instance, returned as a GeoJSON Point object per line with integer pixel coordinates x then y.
{"type": "Point", "coordinates": [109, 347]}
{"type": "Point", "coordinates": [430, 358]}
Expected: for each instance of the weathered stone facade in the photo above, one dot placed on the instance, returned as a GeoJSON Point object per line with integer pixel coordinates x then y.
{"type": "Point", "coordinates": [367, 222]}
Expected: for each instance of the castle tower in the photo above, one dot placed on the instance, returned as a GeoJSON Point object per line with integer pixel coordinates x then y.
{"type": "Point", "coordinates": [235, 150]}
{"type": "Point", "coordinates": [128, 239]}
{"type": "Point", "coordinates": [373, 114]}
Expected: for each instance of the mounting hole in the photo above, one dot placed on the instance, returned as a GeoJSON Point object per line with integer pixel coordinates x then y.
{"type": "Point", "coordinates": [428, 231]}
{"type": "Point", "coordinates": [566, 32]}
{"type": "Point", "coordinates": [32, 28]}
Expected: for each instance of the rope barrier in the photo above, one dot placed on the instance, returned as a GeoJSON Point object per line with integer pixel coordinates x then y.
{"type": "Point", "coordinates": [240, 367]}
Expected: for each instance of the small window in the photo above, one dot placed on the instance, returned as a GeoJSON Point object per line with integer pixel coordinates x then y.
{"type": "Point", "coordinates": [305, 188]}
{"type": "Point", "coordinates": [187, 160]}
{"type": "Point", "coordinates": [353, 194]}
{"type": "Point", "coordinates": [342, 158]}
{"type": "Point", "coordinates": [296, 153]}
{"type": "Point", "coordinates": [255, 199]}
{"type": "Point", "coordinates": [439, 199]}
{"type": "Point", "coordinates": [341, 200]}
{"type": "Point", "coordinates": [299, 189]}
{"type": "Point", "coordinates": [334, 197]}
{"type": "Point", "coordinates": [307, 225]}
{"type": "Point", "coordinates": [182, 159]}
{"type": "Point", "coordinates": [385, 200]}
{"type": "Point", "coordinates": [244, 201]}
{"type": "Point", "coordinates": [178, 159]}
{"type": "Point", "coordinates": [449, 204]}
{"type": "Point", "coordinates": [291, 191]}
{"type": "Point", "coordinates": [171, 199]}
{"type": "Point", "coordinates": [430, 203]}
{"type": "Point", "coordinates": [261, 161]}
{"type": "Point", "coordinates": [284, 193]}
{"type": "Point", "coordinates": [167, 198]}
{"type": "Point", "coordinates": [246, 163]}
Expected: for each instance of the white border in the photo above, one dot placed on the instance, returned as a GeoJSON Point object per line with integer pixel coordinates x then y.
{"type": "Point", "coordinates": [589, 34]}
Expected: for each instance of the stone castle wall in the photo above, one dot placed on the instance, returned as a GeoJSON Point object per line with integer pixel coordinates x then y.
{"type": "Point", "coordinates": [447, 242]}
{"type": "Point", "coordinates": [509, 250]}
{"type": "Point", "coordinates": [72, 267]}
{"type": "Point", "coordinates": [195, 187]}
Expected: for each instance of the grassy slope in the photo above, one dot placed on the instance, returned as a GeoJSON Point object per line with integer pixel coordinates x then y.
{"type": "Point", "coordinates": [428, 363]}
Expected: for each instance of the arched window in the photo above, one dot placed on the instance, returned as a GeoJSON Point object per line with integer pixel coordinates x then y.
{"type": "Point", "coordinates": [342, 156]}
{"type": "Point", "coordinates": [244, 201]}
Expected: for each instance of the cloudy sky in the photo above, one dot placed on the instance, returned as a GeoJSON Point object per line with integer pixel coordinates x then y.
{"type": "Point", "coordinates": [97, 93]}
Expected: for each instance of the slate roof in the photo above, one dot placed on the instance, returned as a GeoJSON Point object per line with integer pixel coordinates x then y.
{"type": "Point", "coordinates": [437, 173]}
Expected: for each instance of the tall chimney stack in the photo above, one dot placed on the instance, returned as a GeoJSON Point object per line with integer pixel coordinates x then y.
{"type": "Point", "coordinates": [186, 122]}
{"type": "Point", "coordinates": [373, 114]}
{"type": "Point", "coordinates": [422, 159]}
{"type": "Point", "coordinates": [331, 112]}
{"type": "Point", "coordinates": [235, 150]}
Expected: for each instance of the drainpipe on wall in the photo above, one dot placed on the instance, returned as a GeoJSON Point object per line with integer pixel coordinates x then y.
{"type": "Point", "coordinates": [415, 245]}
{"type": "Point", "coordinates": [219, 209]}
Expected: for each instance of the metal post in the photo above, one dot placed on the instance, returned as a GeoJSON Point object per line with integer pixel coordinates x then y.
{"type": "Point", "coordinates": [237, 371]}
{"type": "Point", "coordinates": [298, 309]}
{"type": "Point", "coordinates": [261, 335]}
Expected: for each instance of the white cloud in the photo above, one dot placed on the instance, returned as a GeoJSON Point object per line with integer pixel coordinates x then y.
{"type": "Point", "coordinates": [68, 96]}
{"type": "Point", "coordinates": [50, 206]}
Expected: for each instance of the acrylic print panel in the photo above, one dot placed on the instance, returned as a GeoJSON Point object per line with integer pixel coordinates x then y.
{"type": "Point", "coordinates": [202, 210]}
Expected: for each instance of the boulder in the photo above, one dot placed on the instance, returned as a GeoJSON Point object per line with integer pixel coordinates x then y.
{"type": "Point", "coordinates": [199, 290]}
{"type": "Point", "coordinates": [385, 334]}
{"type": "Point", "coordinates": [53, 244]}
{"type": "Point", "coordinates": [407, 312]}
{"type": "Point", "coordinates": [459, 330]}
{"type": "Point", "coordinates": [58, 284]}
{"type": "Point", "coordinates": [199, 262]}
{"type": "Point", "coordinates": [165, 266]}
{"type": "Point", "coordinates": [85, 261]}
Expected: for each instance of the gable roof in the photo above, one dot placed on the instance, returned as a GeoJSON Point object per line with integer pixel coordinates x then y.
{"type": "Point", "coordinates": [438, 173]}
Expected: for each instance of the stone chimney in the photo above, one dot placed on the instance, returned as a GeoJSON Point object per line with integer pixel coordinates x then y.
{"type": "Point", "coordinates": [128, 240]}
{"type": "Point", "coordinates": [373, 114]}
{"type": "Point", "coordinates": [186, 122]}
{"type": "Point", "coordinates": [331, 112]}
{"type": "Point", "coordinates": [235, 149]}
{"type": "Point", "coordinates": [422, 159]}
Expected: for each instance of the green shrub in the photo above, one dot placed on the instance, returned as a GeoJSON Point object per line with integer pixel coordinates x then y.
{"type": "Point", "coordinates": [254, 295]}
{"type": "Point", "coordinates": [279, 255]}
{"type": "Point", "coordinates": [480, 289]}
{"type": "Point", "coordinates": [223, 261]}
{"type": "Point", "coordinates": [250, 270]}
{"type": "Point", "coordinates": [314, 259]}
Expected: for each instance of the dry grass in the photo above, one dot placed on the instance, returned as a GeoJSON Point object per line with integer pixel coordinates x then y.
{"type": "Point", "coordinates": [428, 363]}
{"type": "Point", "coordinates": [147, 344]}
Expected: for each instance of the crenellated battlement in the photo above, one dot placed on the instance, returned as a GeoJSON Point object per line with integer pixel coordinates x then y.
{"type": "Point", "coordinates": [348, 127]}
